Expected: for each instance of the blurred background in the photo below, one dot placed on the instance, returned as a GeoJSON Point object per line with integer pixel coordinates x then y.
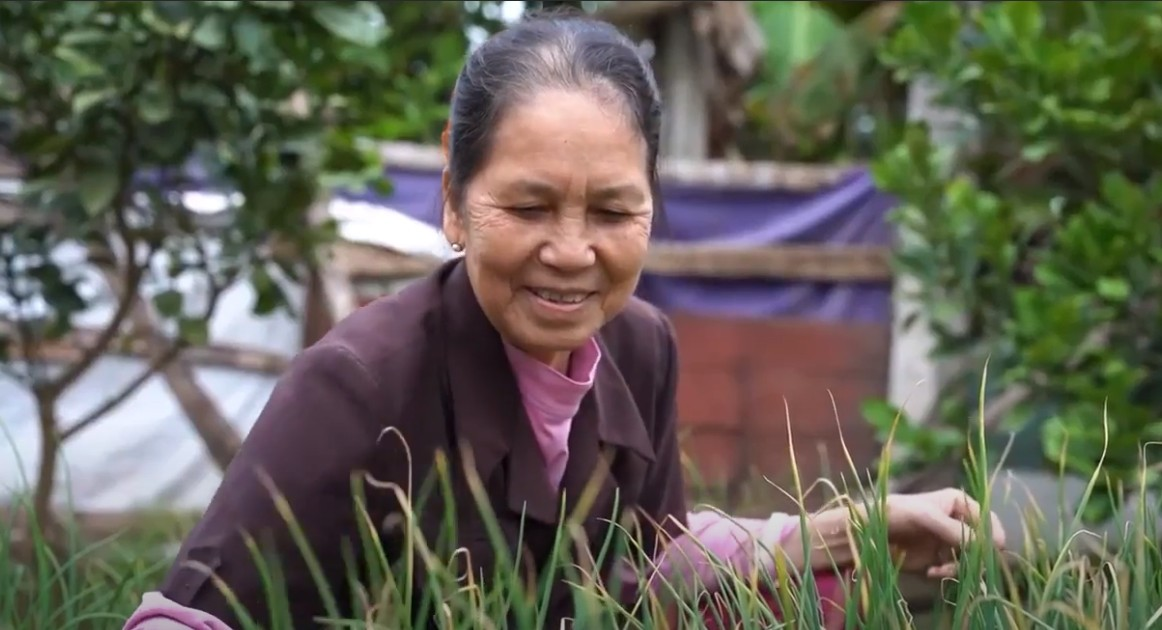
{"type": "Point", "coordinates": [867, 202]}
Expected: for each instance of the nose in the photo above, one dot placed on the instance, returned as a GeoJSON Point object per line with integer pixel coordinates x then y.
{"type": "Point", "coordinates": [569, 248]}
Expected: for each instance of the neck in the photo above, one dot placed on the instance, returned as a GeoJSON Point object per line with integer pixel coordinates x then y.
{"type": "Point", "coordinates": [557, 360]}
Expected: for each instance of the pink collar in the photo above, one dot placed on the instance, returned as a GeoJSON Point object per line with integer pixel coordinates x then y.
{"type": "Point", "coordinates": [554, 395]}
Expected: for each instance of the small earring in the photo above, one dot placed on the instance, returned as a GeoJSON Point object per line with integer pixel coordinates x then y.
{"type": "Point", "coordinates": [457, 247]}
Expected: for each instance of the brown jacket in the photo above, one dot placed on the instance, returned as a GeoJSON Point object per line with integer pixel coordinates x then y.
{"type": "Point", "coordinates": [427, 363]}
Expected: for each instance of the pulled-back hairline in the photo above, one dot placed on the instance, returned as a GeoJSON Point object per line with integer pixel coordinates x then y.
{"type": "Point", "coordinates": [556, 62]}
{"type": "Point", "coordinates": [554, 65]}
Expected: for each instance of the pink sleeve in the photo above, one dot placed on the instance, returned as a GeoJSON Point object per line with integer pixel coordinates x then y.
{"type": "Point", "coordinates": [158, 613]}
{"type": "Point", "coordinates": [715, 541]}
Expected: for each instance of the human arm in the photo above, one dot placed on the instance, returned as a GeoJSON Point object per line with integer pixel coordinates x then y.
{"type": "Point", "coordinates": [924, 532]}
{"type": "Point", "coordinates": [714, 541]}
{"type": "Point", "coordinates": [741, 543]}
{"type": "Point", "coordinates": [317, 430]}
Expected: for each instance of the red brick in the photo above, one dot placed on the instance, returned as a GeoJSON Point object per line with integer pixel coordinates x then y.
{"type": "Point", "coordinates": [710, 342]}
{"type": "Point", "coordinates": [708, 398]}
{"type": "Point", "coordinates": [815, 458]}
{"type": "Point", "coordinates": [812, 404]}
{"type": "Point", "coordinates": [817, 347]}
{"type": "Point", "coordinates": [736, 375]}
{"type": "Point", "coordinates": [711, 458]}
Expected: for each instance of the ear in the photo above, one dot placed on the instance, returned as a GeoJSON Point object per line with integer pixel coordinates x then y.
{"type": "Point", "coordinates": [444, 135]}
{"type": "Point", "coordinates": [450, 219]}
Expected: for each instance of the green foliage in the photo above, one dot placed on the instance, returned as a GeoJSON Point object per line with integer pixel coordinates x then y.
{"type": "Point", "coordinates": [1040, 246]}
{"type": "Point", "coordinates": [111, 108]}
{"type": "Point", "coordinates": [819, 83]}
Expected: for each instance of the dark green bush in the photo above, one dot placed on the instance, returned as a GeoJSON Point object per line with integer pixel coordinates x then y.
{"type": "Point", "coordinates": [1037, 241]}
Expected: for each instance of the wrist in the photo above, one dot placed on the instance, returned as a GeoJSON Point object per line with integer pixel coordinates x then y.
{"type": "Point", "coordinates": [828, 539]}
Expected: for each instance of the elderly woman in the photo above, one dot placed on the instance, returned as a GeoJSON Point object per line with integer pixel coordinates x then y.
{"type": "Point", "coordinates": [528, 359]}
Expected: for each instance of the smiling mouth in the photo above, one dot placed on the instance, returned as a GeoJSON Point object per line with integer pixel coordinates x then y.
{"type": "Point", "coordinates": [561, 297]}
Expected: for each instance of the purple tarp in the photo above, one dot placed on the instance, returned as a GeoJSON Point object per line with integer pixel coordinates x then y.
{"type": "Point", "coordinates": [852, 212]}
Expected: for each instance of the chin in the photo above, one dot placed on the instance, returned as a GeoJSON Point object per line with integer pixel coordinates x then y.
{"type": "Point", "coordinates": [559, 340]}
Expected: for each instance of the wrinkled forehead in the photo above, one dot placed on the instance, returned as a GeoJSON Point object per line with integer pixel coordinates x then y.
{"type": "Point", "coordinates": [567, 138]}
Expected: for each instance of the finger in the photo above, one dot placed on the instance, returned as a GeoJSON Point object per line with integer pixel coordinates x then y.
{"type": "Point", "coordinates": [967, 509]}
{"type": "Point", "coordinates": [952, 532]}
{"type": "Point", "coordinates": [944, 571]}
{"type": "Point", "coordinates": [964, 507]}
{"type": "Point", "coordinates": [998, 531]}
{"type": "Point", "coordinates": [970, 513]}
{"type": "Point", "coordinates": [955, 534]}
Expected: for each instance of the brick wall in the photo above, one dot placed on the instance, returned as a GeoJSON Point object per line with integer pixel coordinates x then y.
{"type": "Point", "coordinates": [735, 376]}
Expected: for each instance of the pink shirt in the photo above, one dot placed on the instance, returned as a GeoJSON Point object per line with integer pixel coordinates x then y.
{"type": "Point", "coordinates": [551, 400]}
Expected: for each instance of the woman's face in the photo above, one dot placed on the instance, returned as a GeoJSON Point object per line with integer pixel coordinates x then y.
{"type": "Point", "coordinates": [556, 224]}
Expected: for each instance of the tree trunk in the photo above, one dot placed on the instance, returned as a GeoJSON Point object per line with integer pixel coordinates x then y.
{"type": "Point", "coordinates": [50, 445]}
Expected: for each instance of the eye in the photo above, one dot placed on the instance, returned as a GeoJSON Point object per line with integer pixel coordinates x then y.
{"type": "Point", "coordinates": [607, 214]}
{"type": "Point", "coordinates": [529, 210]}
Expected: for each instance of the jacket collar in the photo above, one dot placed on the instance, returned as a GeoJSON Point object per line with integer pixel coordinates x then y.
{"type": "Point", "coordinates": [489, 416]}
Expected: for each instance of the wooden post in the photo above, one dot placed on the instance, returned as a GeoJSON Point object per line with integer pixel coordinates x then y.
{"type": "Point", "coordinates": [331, 279]}
{"type": "Point", "coordinates": [683, 67]}
{"type": "Point", "coordinates": [915, 379]}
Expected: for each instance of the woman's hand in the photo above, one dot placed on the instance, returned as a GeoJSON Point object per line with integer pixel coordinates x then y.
{"type": "Point", "coordinates": [925, 531]}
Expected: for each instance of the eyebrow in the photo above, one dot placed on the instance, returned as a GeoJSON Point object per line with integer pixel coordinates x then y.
{"type": "Point", "coordinates": [532, 187]}
{"type": "Point", "coordinates": [623, 192]}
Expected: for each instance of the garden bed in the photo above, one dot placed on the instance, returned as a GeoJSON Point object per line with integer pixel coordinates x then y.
{"type": "Point", "coordinates": [101, 583]}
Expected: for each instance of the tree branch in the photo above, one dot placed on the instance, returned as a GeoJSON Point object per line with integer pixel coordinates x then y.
{"type": "Point", "coordinates": [111, 403]}
{"type": "Point", "coordinates": [105, 337]}
{"type": "Point", "coordinates": [130, 285]}
{"type": "Point", "coordinates": [68, 349]}
{"type": "Point", "coordinates": [219, 436]}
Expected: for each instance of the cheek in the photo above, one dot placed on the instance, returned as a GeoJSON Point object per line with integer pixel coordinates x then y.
{"type": "Point", "coordinates": [625, 250]}
{"type": "Point", "coordinates": [496, 248]}
{"type": "Point", "coordinates": [486, 227]}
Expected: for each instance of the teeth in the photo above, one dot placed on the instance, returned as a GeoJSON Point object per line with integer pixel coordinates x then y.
{"type": "Point", "coordinates": [561, 298]}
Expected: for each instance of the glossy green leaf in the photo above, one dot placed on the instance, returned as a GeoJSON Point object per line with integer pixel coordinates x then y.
{"type": "Point", "coordinates": [194, 331]}
{"type": "Point", "coordinates": [1114, 289]}
{"type": "Point", "coordinates": [252, 36]}
{"type": "Point", "coordinates": [169, 303]}
{"type": "Point", "coordinates": [98, 186]}
{"type": "Point", "coordinates": [357, 22]}
{"type": "Point", "coordinates": [85, 100]}
{"type": "Point", "coordinates": [156, 104]}
{"type": "Point", "coordinates": [211, 32]}
{"type": "Point", "coordinates": [79, 64]}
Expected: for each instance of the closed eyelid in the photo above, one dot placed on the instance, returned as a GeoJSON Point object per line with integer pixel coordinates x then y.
{"type": "Point", "coordinates": [618, 194]}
